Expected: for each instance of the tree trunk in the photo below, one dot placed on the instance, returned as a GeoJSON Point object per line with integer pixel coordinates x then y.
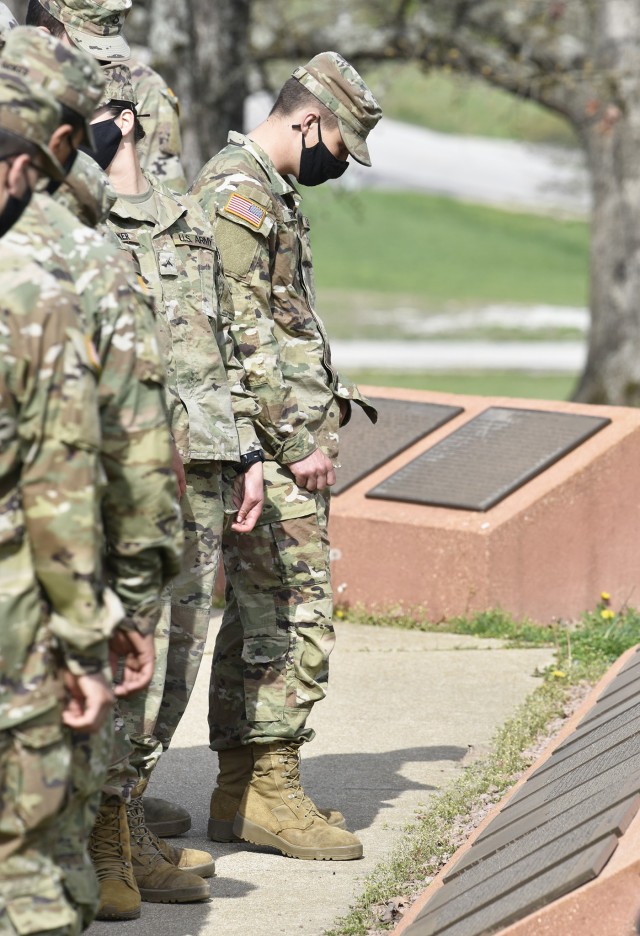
{"type": "Point", "coordinates": [201, 49]}
{"type": "Point", "coordinates": [612, 141]}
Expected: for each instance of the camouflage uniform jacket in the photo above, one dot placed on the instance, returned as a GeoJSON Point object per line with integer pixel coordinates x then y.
{"type": "Point", "coordinates": [161, 148]}
{"type": "Point", "coordinates": [50, 542]}
{"type": "Point", "coordinates": [263, 239]}
{"type": "Point", "coordinates": [141, 517]}
{"type": "Point", "coordinates": [210, 411]}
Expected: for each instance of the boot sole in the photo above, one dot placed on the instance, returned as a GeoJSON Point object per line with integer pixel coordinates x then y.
{"type": "Point", "coordinates": [257, 835]}
{"type": "Point", "coordinates": [107, 913]}
{"type": "Point", "coordinates": [176, 895]}
{"type": "Point", "coordinates": [169, 828]}
{"type": "Point", "coordinates": [219, 831]}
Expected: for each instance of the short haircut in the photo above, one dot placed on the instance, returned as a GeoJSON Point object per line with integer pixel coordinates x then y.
{"type": "Point", "coordinates": [293, 96]}
{"type": "Point", "coordinates": [38, 16]}
{"type": "Point", "coordinates": [117, 107]}
{"type": "Point", "coordinates": [13, 145]}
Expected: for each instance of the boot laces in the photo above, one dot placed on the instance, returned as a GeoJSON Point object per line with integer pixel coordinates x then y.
{"type": "Point", "coordinates": [106, 848]}
{"type": "Point", "coordinates": [142, 837]}
{"type": "Point", "coordinates": [290, 759]}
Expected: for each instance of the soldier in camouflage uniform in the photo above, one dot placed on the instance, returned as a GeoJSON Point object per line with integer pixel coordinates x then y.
{"type": "Point", "coordinates": [141, 518]}
{"type": "Point", "coordinates": [270, 661]}
{"type": "Point", "coordinates": [96, 27]}
{"type": "Point", "coordinates": [56, 615]}
{"type": "Point", "coordinates": [211, 421]}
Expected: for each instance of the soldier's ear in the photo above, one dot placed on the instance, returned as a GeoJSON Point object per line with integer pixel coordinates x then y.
{"type": "Point", "coordinates": [126, 121]}
{"type": "Point", "coordinates": [16, 174]}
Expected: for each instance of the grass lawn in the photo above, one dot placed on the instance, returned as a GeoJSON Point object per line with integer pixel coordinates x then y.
{"type": "Point", "coordinates": [440, 251]}
{"type": "Point", "coordinates": [459, 104]}
{"type": "Point", "coordinates": [485, 383]}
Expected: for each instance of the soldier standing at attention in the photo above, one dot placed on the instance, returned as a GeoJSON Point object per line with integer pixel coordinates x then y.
{"type": "Point", "coordinates": [211, 418]}
{"type": "Point", "coordinates": [96, 27]}
{"type": "Point", "coordinates": [271, 657]}
{"type": "Point", "coordinates": [56, 615]}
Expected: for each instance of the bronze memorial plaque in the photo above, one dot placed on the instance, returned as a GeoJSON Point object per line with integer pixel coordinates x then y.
{"type": "Point", "coordinates": [365, 447]}
{"type": "Point", "coordinates": [488, 458]}
{"type": "Point", "coordinates": [555, 833]}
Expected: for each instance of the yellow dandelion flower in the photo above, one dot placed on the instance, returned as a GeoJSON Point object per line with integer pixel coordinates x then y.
{"type": "Point", "coordinates": [605, 596]}
{"type": "Point", "coordinates": [607, 614]}
{"type": "Point", "coordinates": [558, 674]}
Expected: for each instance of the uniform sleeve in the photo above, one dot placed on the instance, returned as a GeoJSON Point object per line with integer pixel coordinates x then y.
{"type": "Point", "coordinates": [54, 384]}
{"type": "Point", "coordinates": [141, 516]}
{"type": "Point", "coordinates": [243, 402]}
{"type": "Point", "coordinates": [281, 426]}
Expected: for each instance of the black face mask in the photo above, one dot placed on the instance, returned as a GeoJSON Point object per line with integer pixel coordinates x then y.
{"type": "Point", "coordinates": [108, 136]}
{"type": "Point", "coordinates": [55, 184]}
{"type": "Point", "coordinates": [317, 163]}
{"type": "Point", "coordinates": [12, 211]}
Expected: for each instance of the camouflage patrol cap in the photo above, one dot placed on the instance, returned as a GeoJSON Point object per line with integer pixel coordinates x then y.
{"type": "Point", "coordinates": [339, 87]}
{"type": "Point", "coordinates": [67, 74]}
{"type": "Point", "coordinates": [7, 22]}
{"type": "Point", "coordinates": [32, 116]}
{"type": "Point", "coordinates": [95, 26]}
{"type": "Point", "coordinates": [118, 86]}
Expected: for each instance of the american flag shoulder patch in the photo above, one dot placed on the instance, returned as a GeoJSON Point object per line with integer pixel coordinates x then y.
{"type": "Point", "coordinates": [246, 209]}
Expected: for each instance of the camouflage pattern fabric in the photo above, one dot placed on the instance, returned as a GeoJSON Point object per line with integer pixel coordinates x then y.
{"type": "Point", "coordinates": [95, 26]}
{"type": "Point", "coordinates": [271, 658]}
{"type": "Point", "coordinates": [86, 192]}
{"type": "Point", "coordinates": [90, 758]}
{"type": "Point", "coordinates": [152, 716]}
{"type": "Point", "coordinates": [210, 411]}
{"type": "Point", "coordinates": [35, 769]}
{"type": "Point", "coordinates": [161, 149]}
{"type": "Point", "coordinates": [141, 517]}
{"type": "Point", "coordinates": [51, 599]}
{"type": "Point", "coordinates": [263, 239]}
{"type": "Point", "coordinates": [60, 71]}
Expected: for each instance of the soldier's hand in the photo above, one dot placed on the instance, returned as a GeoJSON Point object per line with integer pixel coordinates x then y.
{"type": "Point", "coordinates": [314, 472]}
{"type": "Point", "coordinates": [89, 701]}
{"type": "Point", "coordinates": [136, 651]}
{"type": "Point", "coordinates": [178, 468]}
{"type": "Point", "coordinates": [248, 497]}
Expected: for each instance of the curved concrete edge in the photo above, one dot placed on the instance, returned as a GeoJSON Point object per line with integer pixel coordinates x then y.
{"type": "Point", "coordinates": [623, 867]}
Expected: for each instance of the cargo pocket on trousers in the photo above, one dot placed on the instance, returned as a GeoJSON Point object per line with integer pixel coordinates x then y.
{"type": "Point", "coordinates": [42, 908]}
{"type": "Point", "coordinates": [265, 661]}
{"type": "Point", "coordinates": [38, 772]}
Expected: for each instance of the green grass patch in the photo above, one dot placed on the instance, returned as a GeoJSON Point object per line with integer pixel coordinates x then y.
{"type": "Point", "coordinates": [584, 651]}
{"type": "Point", "coordinates": [444, 251]}
{"type": "Point", "coordinates": [485, 383]}
{"type": "Point", "coordinates": [463, 105]}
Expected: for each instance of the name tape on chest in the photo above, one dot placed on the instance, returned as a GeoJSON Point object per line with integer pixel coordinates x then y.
{"type": "Point", "coordinates": [246, 209]}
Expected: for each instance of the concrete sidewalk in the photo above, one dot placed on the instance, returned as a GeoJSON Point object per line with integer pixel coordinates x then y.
{"type": "Point", "coordinates": [402, 713]}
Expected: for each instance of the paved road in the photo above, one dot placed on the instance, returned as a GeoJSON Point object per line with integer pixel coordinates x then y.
{"type": "Point", "coordinates": [546, 179]}
{"type": "Point", "coordinates": [402, 710]}
{"type": "Point", "coordinates": [551, 357]}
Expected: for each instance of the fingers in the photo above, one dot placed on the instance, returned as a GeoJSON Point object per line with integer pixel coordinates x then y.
{"type": "Point", "coordinates": [89, 703]}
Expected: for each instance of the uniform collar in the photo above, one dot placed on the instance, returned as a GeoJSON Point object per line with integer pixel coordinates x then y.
{"type": "Point", "coordinates": [162, 209]}
{"type": "Point", "coordinates": [279, 184]}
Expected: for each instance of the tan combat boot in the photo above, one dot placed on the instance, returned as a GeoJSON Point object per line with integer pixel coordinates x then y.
{"type": "Point", "coordinates": [236, 768]}
{"type": "Point", "coordinates": [110, 852]}
{"type": "Point", "coordinates": [164, 818]}
{"type": "Point", "coordinates": [159, 880]}
{"type": "Point", "coordinates": [275, 810]}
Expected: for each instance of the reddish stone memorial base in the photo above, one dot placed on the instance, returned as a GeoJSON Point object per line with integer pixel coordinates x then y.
{"type": "Point", "coordinates": [560, 856]}
{"type": "Point", "coordinates": [456, 504]}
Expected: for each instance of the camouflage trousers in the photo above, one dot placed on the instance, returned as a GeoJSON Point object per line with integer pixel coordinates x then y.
{"type": "Point", "coordinates": [271, 658]}
{"type": "Point", "coordinates": [145, 723]}
{"type": "Point", "coordinates": [49, 779]}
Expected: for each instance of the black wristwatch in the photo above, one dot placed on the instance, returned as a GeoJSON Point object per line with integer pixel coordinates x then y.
{"type": "Point", "coordinates": [246, 461]}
